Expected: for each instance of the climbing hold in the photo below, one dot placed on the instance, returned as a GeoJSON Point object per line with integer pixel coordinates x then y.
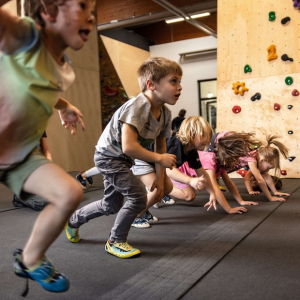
{"type": "Point", "coordinates": [272, 16]}
{"type": "Point", "coordinates": [291, 158]}
{"type": "Point", "coordinates": [295, 92]}
{"type": "Point", "coordinates": [283, 172]}
{"type": "Point", "coordinates": [257, 96]}
{"type": "Point", "coordinates": [296, 4]}
{"type": "Point", "coordinates": [289, 80]}
{"type": "Point", "coordinates": [236, 109]}
{"type": "Point", "coordinates": [285, 20]}
{"type": "Point", "coordinates": [255, 147]}
{"type": "Point", "coordinates": [277, 106]}
{"type": "Point", "coordinates": [290, 106]}
{"type": "Point", "coordinates": [239, 88]}
{"type": "Point", "coordinates": [272, 53]}
{"type": "Point", "coordinates": [110, 92]}
{"type": "Point", "coordinates": [284, 57]}
{"type": "Point", "coordinates": [290, 132]}
{"type": "Point", "coordinates": [247, 69]}
{"type": "Point", "coordinates": [242, 172]}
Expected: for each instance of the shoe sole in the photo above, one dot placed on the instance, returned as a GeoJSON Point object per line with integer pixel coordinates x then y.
{"type": "Point", "coordinates": [136, 254]}
{"type": "Point", "coordinates": [141, 227]}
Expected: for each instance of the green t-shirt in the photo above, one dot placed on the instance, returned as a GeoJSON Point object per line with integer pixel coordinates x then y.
{"type": "Point", "coordinates": [30, 84]}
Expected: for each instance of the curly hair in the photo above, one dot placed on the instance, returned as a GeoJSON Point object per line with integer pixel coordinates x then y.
{"type": "Point", "coordinates": [192, 126]}
{"type": "Point", "coordinates": [271, 154]}
{"type": "Point", "coordinates": [234, 145]}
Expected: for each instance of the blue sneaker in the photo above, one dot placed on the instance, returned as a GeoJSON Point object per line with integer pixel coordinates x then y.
{"type": "Point", "coordinates": [44, 274]}
{"type": "Point", "coordinates": [121, 250]}
{"type": "Point", "coordinates": [149, 217]}
{"type": "Point", "coordinates": [89, 180]}
{"type": "Point", "coordinates": [140, 223]}
{"type": "Point", "coordinates": [81, 181]}
{"type": "Point", "coordinates": [168, 200]}
{"type": "Point", "coordinates": [72, 233]}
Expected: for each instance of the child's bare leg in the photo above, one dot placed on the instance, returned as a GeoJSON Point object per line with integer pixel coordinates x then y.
{"type": "Point", "coordinates": [147, 180]}
{"type": "Point", "coordinates": [63, 194]}
{"type": "Point", "coordinates": [186, 194]}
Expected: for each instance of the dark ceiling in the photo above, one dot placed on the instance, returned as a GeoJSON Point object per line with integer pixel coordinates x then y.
{"type": "Point", "coordinates": [147, 18]}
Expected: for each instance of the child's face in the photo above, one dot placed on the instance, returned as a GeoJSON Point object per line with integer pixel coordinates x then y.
{"type": "Point", "coordinates": [200, 143]}
{"type": "Point", "coordinates": [168, 89]}
{"type": "Point", "coordinates": [74, 22]}
{"type": "Point", "coordinates": [264, 166]}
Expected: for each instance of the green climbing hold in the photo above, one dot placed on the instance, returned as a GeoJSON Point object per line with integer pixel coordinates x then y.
{"type": "Point", "coordinates": [289, 80]}
{"type": "Point", "coordinates": [247, 69]}
{"type": "Point", "coordinates": [272, 16]}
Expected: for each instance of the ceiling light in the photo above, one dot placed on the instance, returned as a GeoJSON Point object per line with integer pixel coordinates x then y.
{"type": "Point", "coordinates": [200, 15]}
{"type": "Point", "coordinates": [179, 19]}
{"type": "Point", "coordinates": [173, 20]}
{"type": "Point", "coordinates": [210, 95]}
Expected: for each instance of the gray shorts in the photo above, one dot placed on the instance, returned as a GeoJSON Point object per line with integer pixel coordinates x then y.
{"type": "Point", "coordinates": [141, 168]}
{"type": "Point", "coordinates": [14, 178]}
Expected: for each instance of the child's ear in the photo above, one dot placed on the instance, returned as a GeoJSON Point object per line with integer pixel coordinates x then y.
{"type": "Point", "coordinates": [150, 85]}
{"type": "Point", "coordinates": [49, 12]}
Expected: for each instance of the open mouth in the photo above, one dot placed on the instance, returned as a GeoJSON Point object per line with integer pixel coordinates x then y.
{"type": "Point", "coordinates": [84, 34]}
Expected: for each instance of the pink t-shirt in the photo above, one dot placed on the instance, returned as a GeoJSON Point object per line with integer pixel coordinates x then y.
{"type": "Point", "coordinates": [251, 157]}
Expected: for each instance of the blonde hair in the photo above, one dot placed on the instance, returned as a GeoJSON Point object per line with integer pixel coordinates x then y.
{"type": "Point", "coordinates": [271, 154]}
{"type": "Point", "coordinates": [234, 145]}
{"type": "Point", "coordinates": [155, 68]}
{"type": "Point", "coordinates": [192, 126]}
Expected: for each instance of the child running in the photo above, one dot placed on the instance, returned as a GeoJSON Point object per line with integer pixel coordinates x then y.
{"type": "Point", "coordinates": [33, 73]}
{"type": "Point", "coordinates": [133, 127]}
{"type": "Point", "coordinates": [194, 134]}
{"type": "Point", "coordinates": [260, 162]}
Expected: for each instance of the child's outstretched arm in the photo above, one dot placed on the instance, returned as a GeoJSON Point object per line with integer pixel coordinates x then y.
{"type": "Point", "coordinates": [209, 188]}
{"type": "Point", "coordinates": [14, 32]}
{"type": "Point", "coordinates": [69, 115]}
{"type": "Point", "coordinates": [271, 185]}
{"type": "Point", "coordinates": [247, 181]}
{"type": "Point", "coordinates": [234, 191]}
{"type": "Point", "coordinates": [220, 197]}
{"type": "Point", "coordinates": [262, 183]}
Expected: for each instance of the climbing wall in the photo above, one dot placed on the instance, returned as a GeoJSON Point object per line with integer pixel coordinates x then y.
{"type": "Point", "coordinates": [258, 71]}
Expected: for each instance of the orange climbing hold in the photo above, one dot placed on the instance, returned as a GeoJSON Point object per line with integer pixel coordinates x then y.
{"type": "Point", "coordinates": [239, 88]}
{"type": "Point", "coordinates": [272, 53]}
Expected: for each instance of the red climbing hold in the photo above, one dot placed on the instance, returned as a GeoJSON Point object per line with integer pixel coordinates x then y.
{"type": "Point", "coordinates": [295, 92]}
{"type": "Point", "coordinates": [110, 92]}
{"type": "Point", "coordinates": [236, 109]}
{"type": "Point", "coordinates": [242, 172]}
{"type": "Point", "coordinates": [276, 106]}
{"type": "Point", "coordinates": [283, 172]}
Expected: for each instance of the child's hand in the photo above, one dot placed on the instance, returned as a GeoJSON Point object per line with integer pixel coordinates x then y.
{"type": "Point", "coordinates": [198, 183]}
{"type": "Point", "coordinates": [254, 193]}
{"type": "Point", "coordinates": [168, 160]}
{"type": "Point", "coordinates": [248, 203]}
{"type": "Point", "coordinates": [281, 194]}
{"type": "Point", "coordinates": [160, 193]}
{"type": "Point", "coordinates": [212, 202]}
{"type": "Point", "coordinates": [237, 210]}
{"type": "Point", "coordinates": [69, 116]}
{"type": "Point", "coordinates": [274, 198]}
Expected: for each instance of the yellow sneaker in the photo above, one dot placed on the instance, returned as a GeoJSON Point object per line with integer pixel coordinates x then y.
{"type": "Point", "coordinates": [122, 250]}
{"type": "Point", "coordinates": [72, 233]}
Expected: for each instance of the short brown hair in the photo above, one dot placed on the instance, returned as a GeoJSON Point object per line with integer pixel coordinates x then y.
{"type": "Point", "coordinates": [155, 68]}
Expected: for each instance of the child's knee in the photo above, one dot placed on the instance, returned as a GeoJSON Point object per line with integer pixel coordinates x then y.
{"type": "Point", "coordinates": [71, 196]}
{"type": "Point", "coordinates": [190, 197]}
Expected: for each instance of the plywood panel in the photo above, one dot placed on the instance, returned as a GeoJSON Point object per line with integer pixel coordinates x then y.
{"type": "Point", "coordinates": [244, 34]}
{"type": "Point", "coordinates": [126, 60]}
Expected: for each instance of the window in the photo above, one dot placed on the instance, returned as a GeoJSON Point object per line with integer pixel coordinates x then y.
{"type": "Point", "coordinates": [208, 101]}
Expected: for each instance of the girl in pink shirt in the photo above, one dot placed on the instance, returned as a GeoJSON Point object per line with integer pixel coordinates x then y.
{"type": "Point", "coordinates": [260, 162]}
